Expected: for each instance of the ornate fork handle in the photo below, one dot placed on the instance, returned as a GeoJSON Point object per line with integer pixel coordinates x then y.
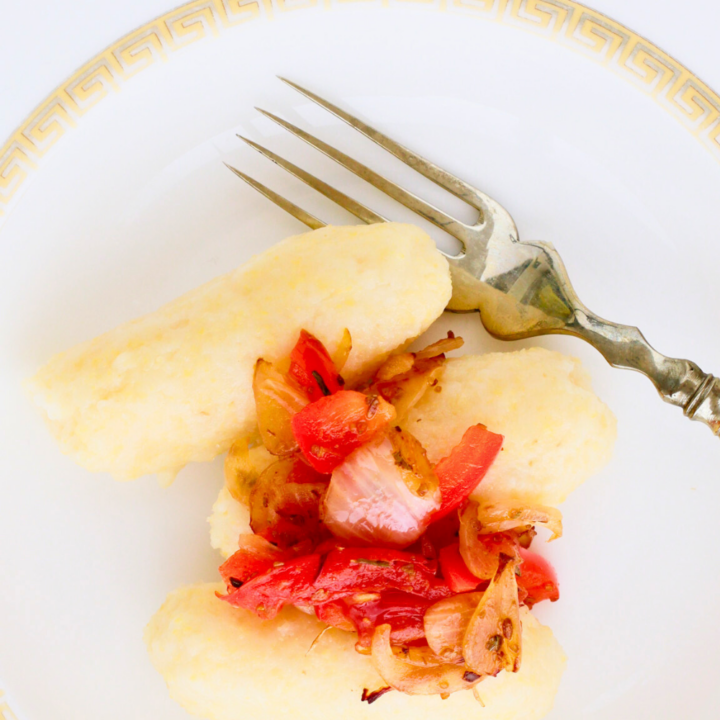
{"type": "Point", "coordinates": [524, 291]}
{"type": "Point", "coordinates": [679, 382]}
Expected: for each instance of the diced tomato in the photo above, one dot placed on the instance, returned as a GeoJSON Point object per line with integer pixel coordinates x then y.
{"type": "Point", "coordinates": [455, 571]}
{"type": "Point", "coordinates": [329, 429]}
{"type": "Point", "coordinates": [254, 557]}
{"type": "Point", "coordinates": [312, 367]}
{"type": "Point", "coordinates": [402, 611]}
{"type": "Point", "coordinates": [354, 570]}
{"type": "Point", "coordinates": [266, 594]}
{"type": "Point", "coordinates": [332, 543]}
{"type": "Point", "coordinates": [335, 614]}
{"type": "Point", "coordinates": [537, 577]}
{"type": "Point", "coordinates": [444, 531]}
{"type": "Point", "coordinates": [363, 612]}
{"type": "Point", "coordinates": [461, 471]}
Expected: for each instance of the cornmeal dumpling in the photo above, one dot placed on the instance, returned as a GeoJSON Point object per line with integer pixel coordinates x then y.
{"type": "Point", "coordinates": [173, 387]}
{"type": "Point", "coordinates": [557, 431]}
{"type": "Point", "coordinates": [222, 663]}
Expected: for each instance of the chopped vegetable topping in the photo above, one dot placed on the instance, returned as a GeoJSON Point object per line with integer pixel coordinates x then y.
{"type": "Point", "coordinates": [373, 500]}
{"type": "Point", "coordinates": [329, 429]}
{"type": "Point", "coordinates": [312, 367]}
{"type": "Point", "coordinates": [455, 571]}
{"type": "Point", "coordinates": [277, 399]}
{"type": "Point", "coordinates": [461, 471]}
{"type": "Point", "coordinates": [352, 520]}
{"type": "Point", "coordinates": [537, 578]}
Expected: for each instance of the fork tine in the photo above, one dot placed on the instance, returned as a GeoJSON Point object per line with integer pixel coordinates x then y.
{"type": "Point", "coordinates": [408, 199]}
{"type": "Point", "coordinates": [457, 187]}
{"type": "Point", "coordinates": [346, 202]}
{"type": "Point", "coordinates": [297, 212]}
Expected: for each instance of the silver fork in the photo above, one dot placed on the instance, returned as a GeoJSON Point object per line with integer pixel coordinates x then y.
{"type": "Point", "coordinates": [521, 289]}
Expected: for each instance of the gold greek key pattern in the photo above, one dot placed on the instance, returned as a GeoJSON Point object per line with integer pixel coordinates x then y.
{"type": "Point", "coordinates": [570, 23]}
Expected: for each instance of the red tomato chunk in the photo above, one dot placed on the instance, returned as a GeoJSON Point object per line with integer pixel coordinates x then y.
{"type": "Point", "coordinates": [537, 578]}
{"type": "Point", "coordinates": [353, 570]}
{"type": "Point", "coordinates": [455, 571]}
{"type": "Point", "coordinates": [254, 557]}
{"type": "Point", "coordinates": [329, 429]}
{"type": "Point", "coordinates": [461, 471]}
{"type": "Point", "coordinates": [289, 583]}
{"type": "Point", "coordinates": [363, 612]}
{"type": "Point", "coordinates": [313, 369]}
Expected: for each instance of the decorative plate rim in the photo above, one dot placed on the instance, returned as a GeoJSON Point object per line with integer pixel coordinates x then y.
{"type": "Point", "coordinates": [576, 26]}
{"type": "Point", "coordinates": [670, 83]}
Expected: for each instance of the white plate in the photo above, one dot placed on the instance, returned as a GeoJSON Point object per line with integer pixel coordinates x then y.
{"type": "Point", "coordinates": [126, 204]}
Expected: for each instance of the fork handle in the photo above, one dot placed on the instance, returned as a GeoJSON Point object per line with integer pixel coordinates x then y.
{"type": "Point", "coordinates": [679, 382]}
{"type": "Point", "coordinates": [539, 299]}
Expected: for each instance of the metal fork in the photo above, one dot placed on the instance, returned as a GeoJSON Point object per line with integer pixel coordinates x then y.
{"type": "Point", "coordinates": [521, 289]}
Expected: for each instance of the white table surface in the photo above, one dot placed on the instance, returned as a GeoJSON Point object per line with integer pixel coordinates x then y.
{"type": "Point", "coordinates": [42, 43]}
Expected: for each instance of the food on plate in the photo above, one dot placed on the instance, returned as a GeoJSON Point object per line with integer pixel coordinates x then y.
{"type": "Point", "coordinates": [224, 663]}
{"type": "Point", "coordinates": [557, 431]}
{"type": "Point", "coordinates": [344, 523]}
{"type": "Point", "coordinates": [172, 387]}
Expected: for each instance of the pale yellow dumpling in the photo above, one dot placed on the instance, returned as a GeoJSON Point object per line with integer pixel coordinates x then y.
{"type": "Point", "coordinates": [557, 431]}
{"type": "Point", "coordinates": [174, 386]}
{"type": "Point", "coordinates": [222, 663]}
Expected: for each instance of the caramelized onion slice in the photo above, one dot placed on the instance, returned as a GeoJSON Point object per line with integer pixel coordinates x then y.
{"type": "Point", "coordinates": [285, 503]}
{"type": "Point", "coordinates": [405, 389]}
{"type": "Point", "coordinates": [404, 378]}
{"type": "Point", "coordinates": [277, 399]}
{"type": "Point", "coordinates": [369, 500]}
{"type": "Point", "coordinates": [419, 655]}
{"type": "Point", "coordinates": [342, 352]}
{"type": "Point", "coordinates": [417, 679]}
{"type": "Point", "coordinates": [481, 553]}
{"type": "Point", "coordinates": [495, 517]}
{"type": "Point", "coordinates": [411, 459]}
{"type": "Point", "coordinates": [493, 638]}
{"type": "Point", "coordinates": [446, 623]}
{"type": "Point", "coordinates": [440, 347]}
{"type": "Point", "coordinates": [394, 366]}
{"type": "Point", "coordinates": [243, 466]}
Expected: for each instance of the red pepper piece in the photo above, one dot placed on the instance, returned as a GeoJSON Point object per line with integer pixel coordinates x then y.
{"type": "Point", "coordinates": [536, 576]}
{"type": "Point", "coordinates": [461, 471]}
{"type": "Point", "coordinates": [254, 556]}
{"type": "Point", "coordinates": [455, 571]}
{"type": "Point", "coordinates": [402, 611]}
{"type": "Point", "coordinates": [362, 570]}
{"type": "Point", "coordinates": [329, 429]}
{"type": "Point", "coordinates": [266, 594]}
{"type": "Point", "coordinates": [312, 367]}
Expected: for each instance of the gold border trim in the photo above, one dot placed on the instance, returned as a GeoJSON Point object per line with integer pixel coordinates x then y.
{"type": "Point", "coordinates": [569, 23]}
